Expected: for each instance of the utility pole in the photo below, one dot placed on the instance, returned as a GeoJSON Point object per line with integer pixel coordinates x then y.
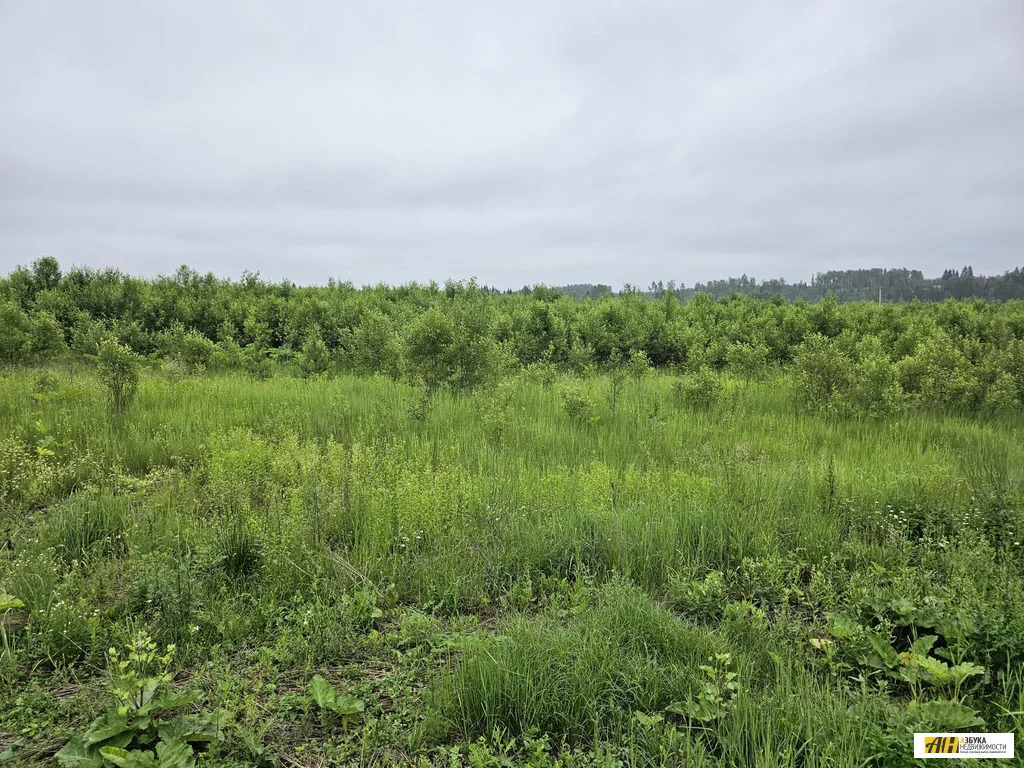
{"type": "Point", "coordinates": [879, 295]}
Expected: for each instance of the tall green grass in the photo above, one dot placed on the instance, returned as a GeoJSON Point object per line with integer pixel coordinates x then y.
{"type": "Point", "coordinates": [218, 509]}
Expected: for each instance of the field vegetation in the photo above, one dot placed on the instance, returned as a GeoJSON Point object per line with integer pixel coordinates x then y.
{"type": "Point", "coordinates": [255, 525]}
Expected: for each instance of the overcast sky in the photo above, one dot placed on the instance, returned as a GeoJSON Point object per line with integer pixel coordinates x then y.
{"type": "Point", "coordinates": [517, 142]}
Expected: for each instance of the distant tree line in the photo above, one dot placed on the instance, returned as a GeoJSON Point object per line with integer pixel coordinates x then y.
{"type": "Point", "coordinates": [896, 285]}
{"type": "Point", "coordinates": [858, 356]}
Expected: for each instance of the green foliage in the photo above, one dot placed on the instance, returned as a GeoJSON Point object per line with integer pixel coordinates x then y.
{"type": "Point", "coordinates": [86, 336]}
{"type": "Point", "coordinates": [315, 359]}
{"type": "Point", "coordinates": [346, 706]}
{"type": "Point", "coordinates": [943, 716]}
{"type": "Point", "coordinates": [9, 602]}
{"type": "Point", "coordinates": [192, 349]}
{"type": "Point", "coordinates": [118, 369]}
{"type": "Point", "coordinates": [578, 405]}
{"type": "Point", "coordinates": [1002, 396]}
{"type": "Point", "coordinates": [496, 584]}
{"type": "Point", "coordinates": [89, 525]}
{"type": "Point", "coordinates": [376, 345]}
{"type": "Point", "coordinates": [639, 366]}
{"type": "Point", "coordinates": [16, 338]}
{"type": "Point", "coordinates": [419, 405]}
{"type": "Point", "coordinates": [542, 372]}
{"type": "Point", "coordinates": [46, 340]}
{"type": "Point", "coordinates": [716, 696]}
{"type": "Point", "coordinates": [940, 374]}
{"type": "Point", "coordinates": [241, 554]}
{"type": "Point", "coordinates": [140, 730]}
{"type": "Point", "coordinates": [705, 599]}
{"type": "Point", "coordinates": [47, 383]}
{"type": "Point", "coordinates": [615, 654]}
{"type": "Point", "coordinates": [499, 411]}
{"type": "Point", "coordinates": [430, 348]}
{"type": "Point", "coordinates": [874, 388]}
{"type": "Point", "coordinates": [823, 374]}
{"type": "Point", "coordinates": [256, 363]}
{"type": "Point", "coordinates": [617, 378]}
{"type": "Point", "coordinates": [8, 648]}
{"type": "Point", "coordinates": [701, 390]}
{"type": "Point", "coordinates": [848, 358]}
{"type": "Point", "coordinates": [914, 666]}
{"type": "Point", "coordinates": [747, 360]}
{"type": "Point", "coordinates": [452, 348]}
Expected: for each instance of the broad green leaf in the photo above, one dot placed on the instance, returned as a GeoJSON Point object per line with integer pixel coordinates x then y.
{"type": "Point", "coordinates": [175, 752]}
{"type": "Point", "coordinates": [679, 708]}
{"type": "Point", "coordinates": [191, 728]}
{"type": "Point", "coordinates": [116, 755]}
{"type": "Point", "coordinates": [8, 753]}
{"type": "Point", "coordinates": [9, 602]}
{"type": "Point", "coordinates": [347, 704]}
{"type": "Point", "coordinates": [927, 616]}
{"type": "Point", "coordinates": [942, 715]}
{"type": "Point", "coordinates": [171, 700]}
{"type": "Point", "coordinates": [122, 758]}
{"type": "Point", "coordinates": [886, 655]}
{"type": "Point", "coordinates": [703, 712]}
{"type": "Point", "coordinates": [923, 645]}
{"type": "Point", "coordinates": [902, 607]}
{"type": "Point", "coordinates": [105, 727]}
{"type": "Point", "coordinates": [694, 710]}
{"type": "Point", "coordinates": [841, 625]}
{"type": "Point", "coordinates": [962, 671]}
{"type": "Point", "coordinates": [149, 689]}
{"type": "Point", "coordinates": [140, 722]}
{"type": "Point", "coordinates": [937, 671]}
{"type": "Point", "coordinates": [647, 721]}
{"type": "Point", "coordinates": [911, 673]}
{"type": "Point", "coordinates": [141, 738]}
{"type": "Point", "coordinates": [75, 754]}
{"type": "Point", "coordinates": [321, 692]}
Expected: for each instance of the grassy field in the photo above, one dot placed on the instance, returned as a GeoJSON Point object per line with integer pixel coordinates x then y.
{"type": "Point", "coordinates": [539, 573]}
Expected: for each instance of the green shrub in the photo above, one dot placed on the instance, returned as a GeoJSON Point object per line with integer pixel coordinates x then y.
{"type": "Point", "coordinates": [748, 361]}
{"type": "Point", "coordinates": [451, 348]}
{"type": "Point", "coordinates": [46, 339]}
{"type": "Point", "coordinates": [430, 349]}
{"type": "Point", "coordinates": [701, 390]}
{"type": "Point", "coordinates": [579, 406]}
{"type": "Point", "coordinates": [704, 599]}
{"type": "Point", "coordinates": [1001, 396]}
{"type": "Point", "coordinates": [542, 372]}
{"type": "Point", "coordinates": [873, 384]}
{"type": "Point", "coordinates": [376, 346]}
{"type": "Point", "coordinates": [315, 359]}
{"type": "Point", "coordinates": [17, 330]}
{"type": "Point", "coordinates": [823, 373]}
{"type": "Point", "coordinates": [940, 375]}
{"type": "Point", "coordinates": [118, 369]}
{"type": "Point", "coordinates": [639, 366]}
{"type": "Point", "coordinates": [193, 350]}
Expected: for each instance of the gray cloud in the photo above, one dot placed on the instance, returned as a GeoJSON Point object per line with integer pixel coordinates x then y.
{"type": "Point", "coordinates": [566, 142]}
